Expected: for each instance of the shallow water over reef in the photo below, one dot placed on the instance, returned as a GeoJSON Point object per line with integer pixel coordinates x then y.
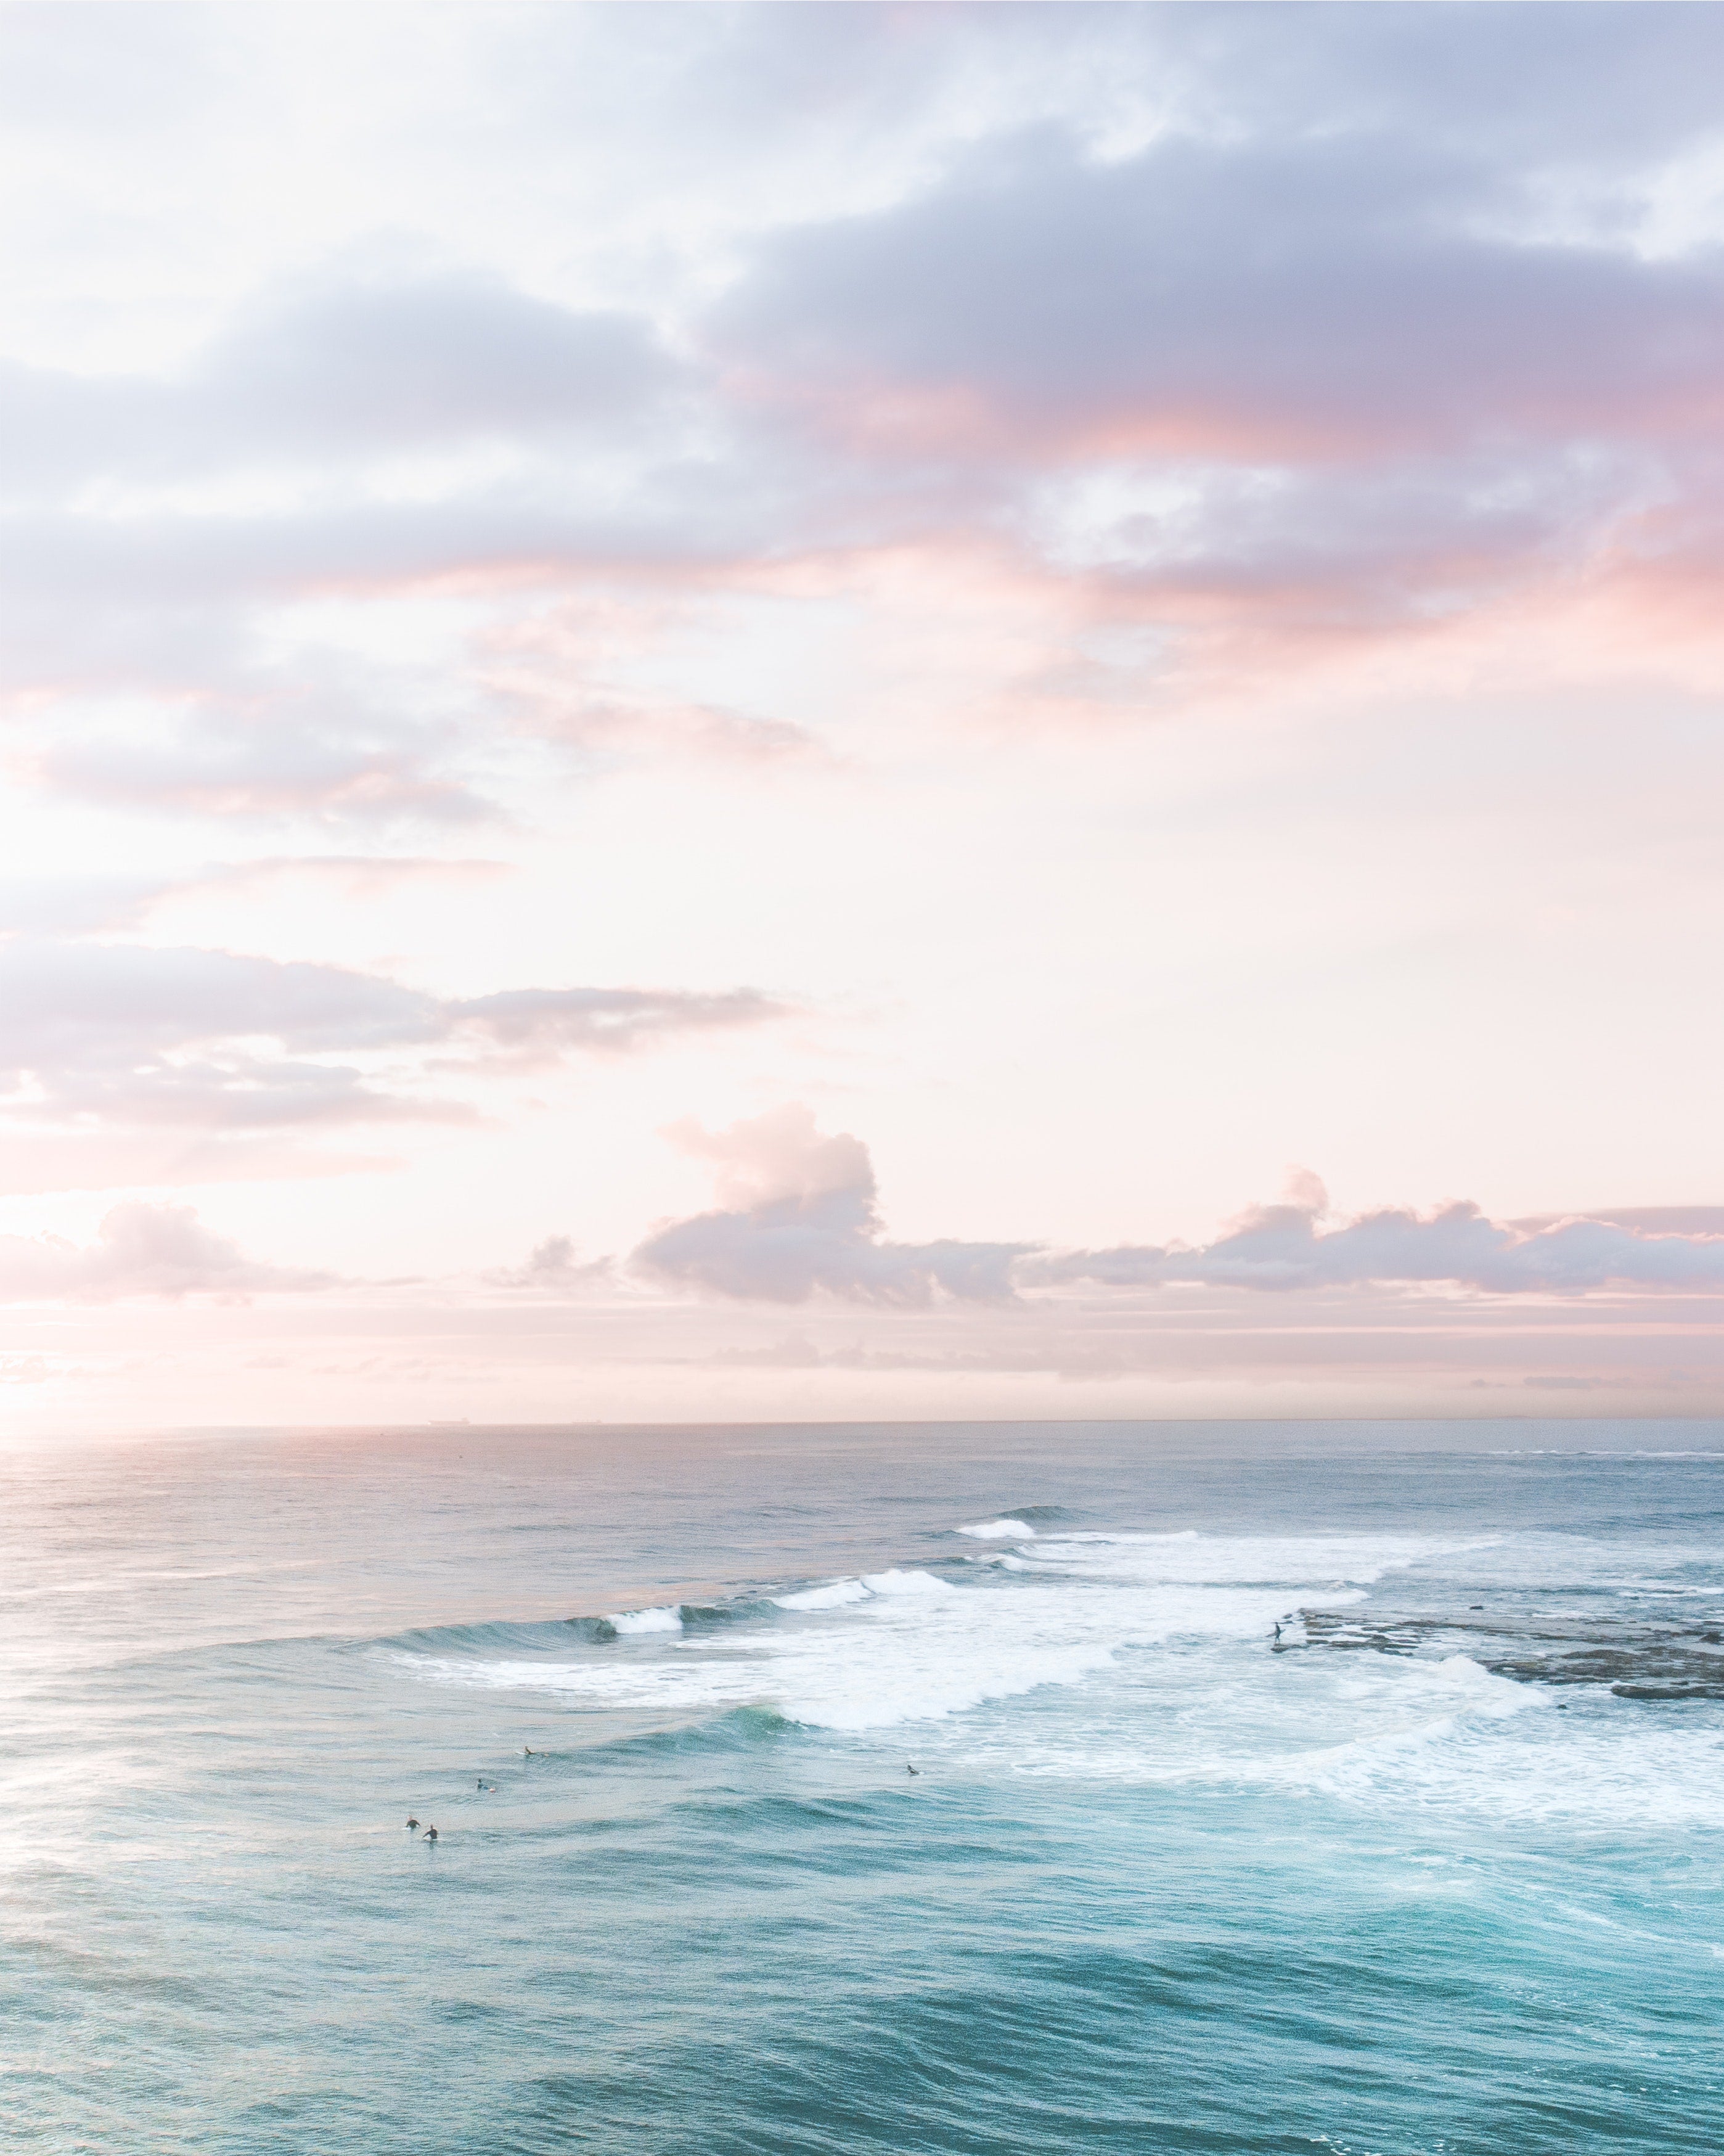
{"type": "Point", "coordinates": [1436, 1870]}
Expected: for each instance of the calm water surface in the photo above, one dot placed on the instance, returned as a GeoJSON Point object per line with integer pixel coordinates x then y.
{"type": "Point", "coordinates": [1437, 1871]}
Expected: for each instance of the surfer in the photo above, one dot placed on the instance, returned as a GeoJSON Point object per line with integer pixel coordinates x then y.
{"type": "Point", "coordinates": [1278, 1631]}
{"type": "Point", "coordinates": [429, 1835]}
{"type": "Point", "coordinates": [413, 1822]}
{"type": "Point", "coordinates": [912, 1770]}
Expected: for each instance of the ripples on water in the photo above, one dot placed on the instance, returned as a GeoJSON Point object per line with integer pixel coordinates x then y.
{"type": "Point", "coordinates": [1434, 1872]}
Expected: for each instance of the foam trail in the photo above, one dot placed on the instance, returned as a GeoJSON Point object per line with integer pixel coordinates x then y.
{"type": "Point", "coordinates": [835, 1597]}
{"type": "Point", "coordinates": [989, 1530]}
{"type": "Point", "coordinates": [1320, 1561]}
{"type": "Point", "coordinates": [626, 1621]}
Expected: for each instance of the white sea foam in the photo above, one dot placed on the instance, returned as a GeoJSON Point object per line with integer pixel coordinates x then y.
{"type": "Point", "coordinates": [901, 1646]}
{"type": "Point", "coordinates": [645, 1620]}
{"type": "Point", "coordinates": [992, 1531]}
{"type": "Point", "coordinates": [1556, 1452]}
{"type": "Point", "coordinates": [1151, 1659]}
{"type": "Point", "coordinates": [1399, 1737]}
{"type": "Point", "coordinates": [834, 1597]}
{"type": "Point", "coordinates": [892, 1659]}
{"type": "Point", "coordinates": [1305, 1562]}
{"type": "Point", "coordinates": [1121, 1535]}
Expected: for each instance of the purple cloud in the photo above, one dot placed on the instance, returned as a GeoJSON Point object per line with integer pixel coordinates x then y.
{"type": "Point", "coordinates": [1329, 294]}
{"type": "Point", "coordinates": [802, 1221]}
{"type": "Point", "coordinates": [1339, 294]}
{"type": "Point", "coordinates": [1287, 1247]}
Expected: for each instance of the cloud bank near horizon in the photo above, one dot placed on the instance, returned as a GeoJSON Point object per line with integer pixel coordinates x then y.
{"type": "Point", "coordinates": [800, 1219]}
{"type": "Point", "coordinates": [1279, 1248]}
{"type": "Point", "coordinates": [142, 1250]}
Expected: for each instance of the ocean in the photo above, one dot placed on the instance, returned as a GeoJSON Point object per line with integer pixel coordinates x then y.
{"type": "Point", "coordinates": [879, 1788]}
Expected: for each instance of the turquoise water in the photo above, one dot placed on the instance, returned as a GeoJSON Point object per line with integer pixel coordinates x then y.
{"type": "Point", "coordinates": [1439, 1870]}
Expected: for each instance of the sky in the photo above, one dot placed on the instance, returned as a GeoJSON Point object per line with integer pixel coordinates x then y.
{"type": "Point", "coordinates": [835, 712]}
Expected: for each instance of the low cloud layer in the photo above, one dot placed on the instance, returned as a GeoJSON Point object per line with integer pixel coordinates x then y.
{"type": "Point", "coordinates": [139, 1249]}
{"type": "Point", "coordinates": [800, 1219]}
{"type": "Point", "coordinates": [1287, 1246]}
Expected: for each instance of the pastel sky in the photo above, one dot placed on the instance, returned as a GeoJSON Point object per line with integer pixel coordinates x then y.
{"type": "Point", "coordinates": [837, 710]}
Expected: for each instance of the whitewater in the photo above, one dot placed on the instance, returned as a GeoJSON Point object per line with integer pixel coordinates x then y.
{"type": "Point", "coordinates": [977, 1788]}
